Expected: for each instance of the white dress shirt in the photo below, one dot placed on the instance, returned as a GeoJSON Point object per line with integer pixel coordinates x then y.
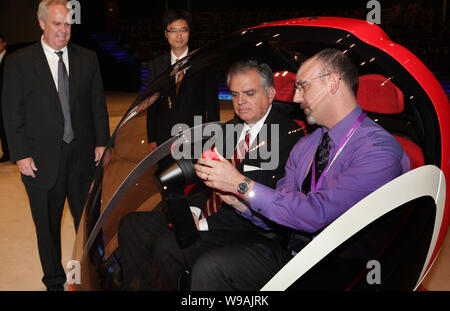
{"type": "Point", "coordinates": [53, 59]}
{"type": "Point", "coordinates": [254, 130]}
{"type": "Point", "coordinates": [174, 59]}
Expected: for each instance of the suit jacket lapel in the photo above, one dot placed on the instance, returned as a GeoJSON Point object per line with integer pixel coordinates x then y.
{"type": "Point", "coordinates": [43, 71]}
{"type": "Point", "coordinates": [167, 65]}
{"type": "Point", "coordinates": [74, 73]}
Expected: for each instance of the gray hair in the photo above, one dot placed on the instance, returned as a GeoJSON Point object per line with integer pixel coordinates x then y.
{"type": "Point", "coordinates": [263, 69]}
{"type": "Point", "coordinates": [43, 7]}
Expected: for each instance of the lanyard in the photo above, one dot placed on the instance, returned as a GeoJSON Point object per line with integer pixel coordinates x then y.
{"type": "Point", "coordinates": [341, 146]}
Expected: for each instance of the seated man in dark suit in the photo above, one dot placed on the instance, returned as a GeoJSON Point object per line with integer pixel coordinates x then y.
{"type": "Point", "coordinates": [149, 252]}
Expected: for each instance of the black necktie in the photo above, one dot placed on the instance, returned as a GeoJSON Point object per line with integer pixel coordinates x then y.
{"type": "Point", "coordinates": [63, 92]}
{"type": "Point", "coordinates": [322, 157]}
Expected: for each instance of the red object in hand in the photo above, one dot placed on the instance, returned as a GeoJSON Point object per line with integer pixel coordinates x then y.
{"type": "Point", "coordinates": [210, 154]}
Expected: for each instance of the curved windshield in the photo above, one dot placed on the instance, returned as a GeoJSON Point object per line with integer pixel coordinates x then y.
{"type": "Point", "coordinates": [125, 180]}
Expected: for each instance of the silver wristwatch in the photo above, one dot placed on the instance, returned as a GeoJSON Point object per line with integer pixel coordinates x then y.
{"type": "Point", "coordinates": [243, 186]}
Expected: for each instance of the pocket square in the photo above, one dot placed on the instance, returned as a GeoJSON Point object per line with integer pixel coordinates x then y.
{"type": "Point", "coordinates": [249, 168]}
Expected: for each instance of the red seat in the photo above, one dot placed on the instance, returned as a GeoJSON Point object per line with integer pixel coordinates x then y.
{"type": "Point", "coordinates": [412, 150]}
{"type": "Point", "coordinates": [284, 84]}
{"type": "Point", "coordinates": [378, 94]}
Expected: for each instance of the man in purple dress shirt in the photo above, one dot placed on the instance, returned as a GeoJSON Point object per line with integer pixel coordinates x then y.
{"type": "Point", "coordinates": [362, 157]}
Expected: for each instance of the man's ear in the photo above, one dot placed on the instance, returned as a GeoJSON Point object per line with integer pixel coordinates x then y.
{"type": "Point", "coordinates": [335, 82]}
{"type": "Point", "coordinates": [272, 93]}
{"type": "Point", "coordinates": [42, 24]}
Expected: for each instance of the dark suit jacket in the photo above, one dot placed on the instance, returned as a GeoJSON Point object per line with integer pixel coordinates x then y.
{"type": "Point", "coordinates": [289, 133]}
{"type": "Point", "coordinates": [33, 115]}
{"type": "Point", "coordinates": [197, 96]}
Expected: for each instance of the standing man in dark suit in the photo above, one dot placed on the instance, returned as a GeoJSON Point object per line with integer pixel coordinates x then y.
{"type": "Point", "coordinates": [150, 255]}
{"type": "Point", "coordinates": [5, 150]}
{"type": "Point", "coordinates": [188, 95]}
{"type": "Point", "coordinates": [57, 126]}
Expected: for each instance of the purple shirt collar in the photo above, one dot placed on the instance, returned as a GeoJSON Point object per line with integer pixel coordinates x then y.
{"type": "Point", "coordinates": [340, 129]}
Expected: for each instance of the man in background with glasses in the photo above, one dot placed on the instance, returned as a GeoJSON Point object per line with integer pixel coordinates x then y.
{"type": "Point", "coordinates": [188, 94]}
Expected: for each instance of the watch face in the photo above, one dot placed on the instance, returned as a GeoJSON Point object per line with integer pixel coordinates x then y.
{"type": "Point", "coordinates": [243, 187]}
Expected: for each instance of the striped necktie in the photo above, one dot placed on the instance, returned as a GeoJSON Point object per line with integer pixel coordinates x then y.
{"type": "Point", "coordinates": [179, 78]}
{"type": "Point", "coordinates": [213, 203]}
{"type": "Point", "coordinates": [241, 150]}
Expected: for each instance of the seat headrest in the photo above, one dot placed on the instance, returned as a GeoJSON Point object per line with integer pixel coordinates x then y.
{"type": "Point", "coordinates": [284, 84]}
{"type": "Point", "coordinates": [379, 95]}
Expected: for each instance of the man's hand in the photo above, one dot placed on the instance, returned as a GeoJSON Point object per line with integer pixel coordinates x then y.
{"type": "Point", "coordinates": [152, 146]}
{"type": "Point", "coordinates": [27, 167]}
{"type": "Point", "coordinates": [98, 154]}
{"type": "Point", "coordinates": [220, 175]}
{"type": "Point", "coordinates": [232, 200]}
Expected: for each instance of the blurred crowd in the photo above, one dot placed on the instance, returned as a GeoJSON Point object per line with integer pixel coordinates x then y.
{"type": "Point", "coordinates": [420, 29]}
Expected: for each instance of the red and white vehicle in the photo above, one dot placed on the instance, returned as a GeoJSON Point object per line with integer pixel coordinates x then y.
{"type": "Point", "coordinates": [406, 220]}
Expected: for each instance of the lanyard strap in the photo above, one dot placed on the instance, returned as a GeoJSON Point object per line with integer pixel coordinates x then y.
{"type": "Point", "coordinates": [341, 146]}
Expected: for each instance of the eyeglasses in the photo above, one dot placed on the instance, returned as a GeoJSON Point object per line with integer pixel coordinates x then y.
{"type": "Point", "coordinates": [301, 85]}
{"type": "Point", "coordinates": [177, 30]}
